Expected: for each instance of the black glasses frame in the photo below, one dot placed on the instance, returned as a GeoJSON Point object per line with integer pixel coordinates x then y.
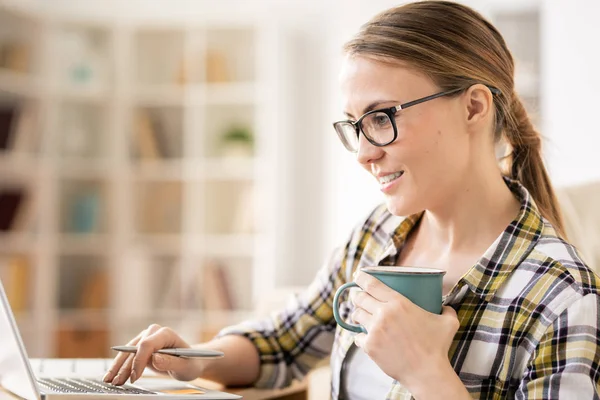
{"type": "Point", "coordinates": [391, 113]}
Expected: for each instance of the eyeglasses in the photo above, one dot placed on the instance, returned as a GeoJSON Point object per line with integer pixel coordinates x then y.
{"type": "Point", "coordinates": [379, 126]}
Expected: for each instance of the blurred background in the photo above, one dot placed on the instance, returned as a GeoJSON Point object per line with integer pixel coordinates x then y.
{"type": "Point", "coordinates": [174, 161]}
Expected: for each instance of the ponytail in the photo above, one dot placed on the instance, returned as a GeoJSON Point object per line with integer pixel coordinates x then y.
{"type": "Point", "coordinates": [527, 165]}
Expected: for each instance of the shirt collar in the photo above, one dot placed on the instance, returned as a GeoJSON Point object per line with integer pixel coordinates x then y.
{"type": "Point", "coordinates": [500, 259]}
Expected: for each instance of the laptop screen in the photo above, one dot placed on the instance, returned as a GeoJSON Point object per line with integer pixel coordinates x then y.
{"type": "Point", "coordinates": [15, 371]}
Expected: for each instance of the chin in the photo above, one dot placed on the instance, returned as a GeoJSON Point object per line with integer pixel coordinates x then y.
{"type": "Point", "coordinates": [401, 206]}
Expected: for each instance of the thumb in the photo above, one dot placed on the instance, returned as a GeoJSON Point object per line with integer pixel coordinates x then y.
{"type": "Point", "coordinates": [180, 368]}
{"type": "Point", "coordinates": [449, 312]}
{"type": "Point", "coordinates": [165, 363]}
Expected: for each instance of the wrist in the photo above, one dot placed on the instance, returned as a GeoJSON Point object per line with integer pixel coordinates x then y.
{"type": "Point", "coordinates": [439, 383]}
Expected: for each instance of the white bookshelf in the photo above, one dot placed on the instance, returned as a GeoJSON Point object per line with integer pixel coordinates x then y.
{"type": "Point", "coordinates": [147, 221]}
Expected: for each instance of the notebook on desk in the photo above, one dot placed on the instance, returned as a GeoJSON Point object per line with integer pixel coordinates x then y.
{"type": "Point", "coordinates": [70, 378]}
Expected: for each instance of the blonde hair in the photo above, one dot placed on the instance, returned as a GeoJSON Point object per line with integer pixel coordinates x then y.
{"type": "Point", "coordinates": [456, 47]}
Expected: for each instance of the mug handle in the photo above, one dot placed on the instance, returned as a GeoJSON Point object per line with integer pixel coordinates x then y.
{"type": "Point", "coordinates": [336, 313]}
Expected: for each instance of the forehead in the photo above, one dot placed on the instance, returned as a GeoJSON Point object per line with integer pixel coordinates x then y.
{"type": "Point", "coordinates": [365, 80]}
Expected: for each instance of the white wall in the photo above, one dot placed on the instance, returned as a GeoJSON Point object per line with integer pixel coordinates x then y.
{"type": "Point", "coordinates": [571, 89]}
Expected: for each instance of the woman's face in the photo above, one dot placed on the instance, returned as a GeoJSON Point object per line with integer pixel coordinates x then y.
{"type": "Point", "coordinates": [425, 164]}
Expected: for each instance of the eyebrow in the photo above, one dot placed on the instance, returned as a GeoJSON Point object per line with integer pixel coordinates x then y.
{"type": "Point", "coordinates": [372, 106]}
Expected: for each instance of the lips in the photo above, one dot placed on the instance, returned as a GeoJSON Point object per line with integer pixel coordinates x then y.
{"type": "Point", "coordinates": [385, 178]}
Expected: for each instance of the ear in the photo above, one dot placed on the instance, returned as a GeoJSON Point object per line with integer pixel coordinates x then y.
{"type": "Point", "coordinates": [479, 104]}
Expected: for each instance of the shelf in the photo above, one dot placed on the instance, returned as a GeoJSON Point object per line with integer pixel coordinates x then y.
{"type": "Point", "coordinates": [84, 244]}
{"type": "Point", "coordinates": [160, 244]}
{"type": "Point", "coordinates": [87, 94]}
{"type": "Point", "coordinates": [228, 245]}
{"type": "Point", "coordinates": [20, 84]}
{"type": "Point", "coordinates": [140, 161]}
{"type": "Point", "coordinates": [90, 318]}
{"type": "Point", "coordinates": [229, 168]}
{"type": "Point", "coordinates": [160, 95]}
{"type": "Point", "coordinates": [19, 243]}
{"type": "Point", "coordinates": [159, 170]}
{"type": "Point", "coordinates": [231, 93]}
{"type": "Point", "coordinates": [82, 169]}
{"type": "Point", "coordinates": [178, 316]}
{"type": "Point", "coordinates": [18, 166]}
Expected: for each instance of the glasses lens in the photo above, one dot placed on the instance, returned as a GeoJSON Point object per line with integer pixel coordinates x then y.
{"type": "Point", "coordinates": [378, 128]}
{"type": "Point", "coordinates": [347, 134]}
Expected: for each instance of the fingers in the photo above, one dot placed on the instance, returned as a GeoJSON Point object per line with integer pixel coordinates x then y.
{"type": "Point", "coordinates": [363, 318]}
{"type": "Point", "coordinates": [159, 338]}
{"type": "Point", "coordinates": [119, 360]}
{"type": "Point", "coordinates": [374, 287]}
{"type": "Point", "coordinates": [122, 367]}
{"type": "Point", "coordinates": [124, 371]}
{"type": "Point", "coordinates": [365, 301]}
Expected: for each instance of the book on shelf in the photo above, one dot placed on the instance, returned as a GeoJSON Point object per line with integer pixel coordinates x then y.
{"type": "Point", "coordinates": [146, 144]}
{"type": "Point", "coordinates": [7, 118]}
{"type": "Point", "coordinates": [15, 276]}
{"type": "Point", "coordinates": [82, 339]}
{"type": "Point", "coordinates": [11, 205]}
{"type": "Point", "coordinates": [17, 128]}
{"type": "Point", "coordinates": [217, 70]}
{"type": "Point", "coordinates": [151, 139]}
{"type": "Point", "coordinates": [84, 211]}
{"type": "Point", "coordinates": [15, 56]}
{"type": "Point", "coordinates": [95, 290]}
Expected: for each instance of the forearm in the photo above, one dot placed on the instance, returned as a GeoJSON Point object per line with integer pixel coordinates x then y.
{"type": "Point", "coordinates": [239, 367]}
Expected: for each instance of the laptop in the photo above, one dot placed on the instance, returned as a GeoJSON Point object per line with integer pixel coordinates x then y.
{"type": "Point", "coordinates": [72, 378]}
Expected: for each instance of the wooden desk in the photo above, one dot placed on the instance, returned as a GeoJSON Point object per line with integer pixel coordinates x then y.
{"type": "Point", "coordinates": [296, 391]}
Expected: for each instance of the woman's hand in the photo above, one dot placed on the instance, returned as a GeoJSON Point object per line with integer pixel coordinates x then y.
{"type": "Point", "coordinates": [408, 343]}
{"type": "Point", "coordinates": [127, 365]}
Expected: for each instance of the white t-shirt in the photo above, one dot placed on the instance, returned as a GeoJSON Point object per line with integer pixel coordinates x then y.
{"type": "Point", "coordinates": [364, 380]}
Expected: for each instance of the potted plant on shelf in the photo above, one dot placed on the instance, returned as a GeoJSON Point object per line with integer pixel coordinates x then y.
{"type": "Point", "coordinates": [237, 142]}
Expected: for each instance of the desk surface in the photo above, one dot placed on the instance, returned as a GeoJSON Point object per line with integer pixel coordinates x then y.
{"type": "Point", "coordinates": [297, 391]}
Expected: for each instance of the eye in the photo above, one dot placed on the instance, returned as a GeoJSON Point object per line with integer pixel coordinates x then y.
{"type": "Point", "coordinates": [381, 120]}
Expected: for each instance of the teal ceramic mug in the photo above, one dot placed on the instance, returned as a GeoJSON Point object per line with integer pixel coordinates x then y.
{"type": "Point", "coordinates": [422, 286]}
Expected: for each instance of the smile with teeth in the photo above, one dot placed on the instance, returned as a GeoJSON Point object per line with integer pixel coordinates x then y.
{"type": "Point", "coordinates": [388, 178]}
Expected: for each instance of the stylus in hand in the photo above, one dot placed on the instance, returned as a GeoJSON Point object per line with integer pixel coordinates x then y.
{"type": "Point", "coordinates": [177, 352]}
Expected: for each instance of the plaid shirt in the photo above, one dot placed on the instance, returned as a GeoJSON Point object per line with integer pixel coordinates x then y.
{"type": "Point", "coordinates": [528, 312]}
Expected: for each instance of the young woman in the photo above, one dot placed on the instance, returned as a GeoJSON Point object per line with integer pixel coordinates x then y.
{"type": "Point", "coordinates": [429, 94]}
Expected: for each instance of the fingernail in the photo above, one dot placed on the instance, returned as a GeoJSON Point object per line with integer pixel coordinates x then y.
{"type": "Point", "coordinates": [105, 378]}
{"type": "Point", "coordinates": [133, 377]}
{"type": "Point", "coordinates": [116, 380]}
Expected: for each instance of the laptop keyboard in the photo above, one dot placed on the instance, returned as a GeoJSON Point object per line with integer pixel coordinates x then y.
{"type": "Point", "coordinates": [71, 385]}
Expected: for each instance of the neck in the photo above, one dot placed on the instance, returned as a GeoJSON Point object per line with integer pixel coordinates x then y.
{"type": "Point", "coordinates": [473, 218]}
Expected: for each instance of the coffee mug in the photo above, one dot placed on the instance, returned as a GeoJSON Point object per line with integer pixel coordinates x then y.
{"type": "Point", "coordinates": [422, 286]}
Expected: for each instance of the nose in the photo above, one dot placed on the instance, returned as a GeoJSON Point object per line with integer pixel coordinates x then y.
{"type": "Point", "coordinates": [367, 152]}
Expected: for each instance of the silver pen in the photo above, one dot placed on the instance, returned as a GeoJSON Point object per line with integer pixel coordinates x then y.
{"type": "Point", "coordinates": [177, 352]}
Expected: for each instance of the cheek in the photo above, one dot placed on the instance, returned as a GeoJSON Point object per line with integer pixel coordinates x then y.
{"type": "Point", "coordinates": [434, 147]}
